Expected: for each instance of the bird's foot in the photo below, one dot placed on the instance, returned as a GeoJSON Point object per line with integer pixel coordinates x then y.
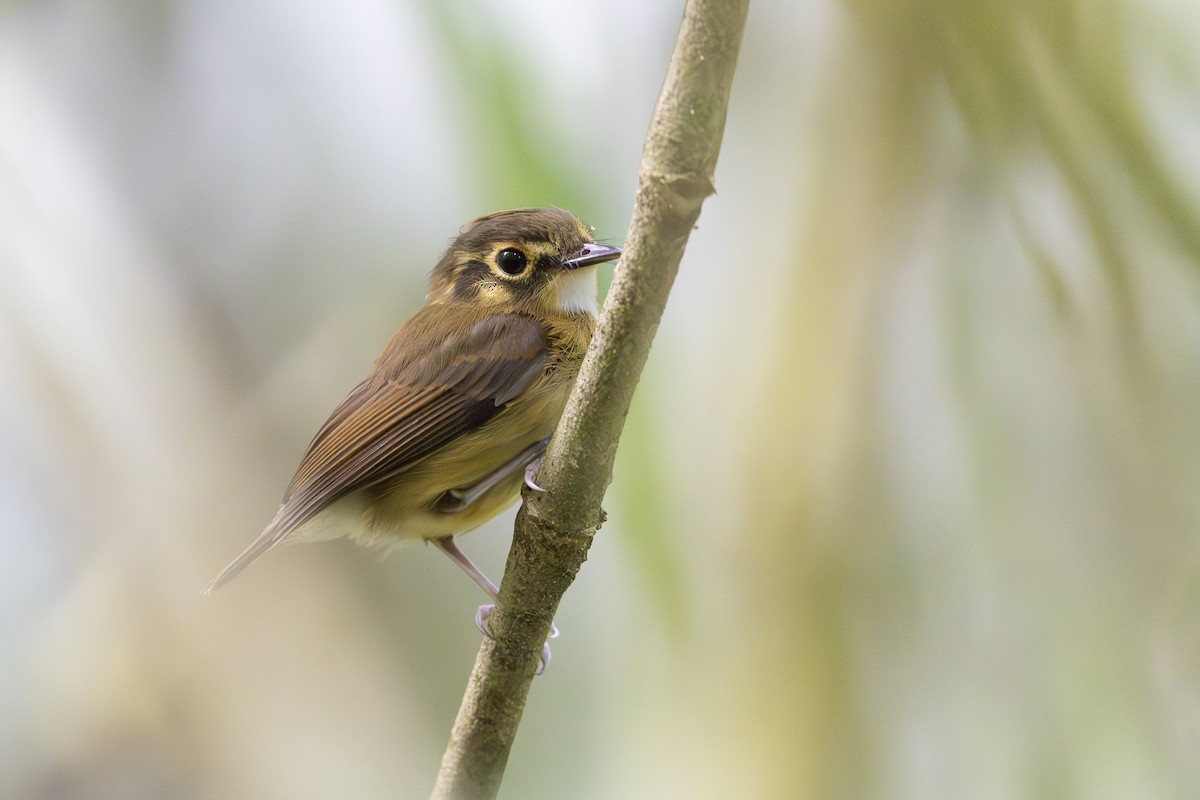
{"type": "Point", "coordinates": [531, 471]}
{"type": "Point", "coordinates": [545, 657]}
{"type": "Point", "coordinates": [482, 617]}
{"type": "Point", "coordinates": [483, 621]}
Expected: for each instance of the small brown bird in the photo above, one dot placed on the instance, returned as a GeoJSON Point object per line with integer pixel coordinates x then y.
{"type": "Point", "coordinates": [459, 407]}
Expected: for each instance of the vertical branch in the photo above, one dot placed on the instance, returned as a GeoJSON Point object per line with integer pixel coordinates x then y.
{"type": "Point", "coordinates": [555, 529]}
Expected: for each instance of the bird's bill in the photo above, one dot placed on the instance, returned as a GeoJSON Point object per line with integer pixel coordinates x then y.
{"type": "Point", "coordinates": [591, 254]}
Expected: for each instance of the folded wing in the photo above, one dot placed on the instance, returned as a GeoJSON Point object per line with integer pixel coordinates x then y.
{"type": "Point", "coordinates": [409, 408]}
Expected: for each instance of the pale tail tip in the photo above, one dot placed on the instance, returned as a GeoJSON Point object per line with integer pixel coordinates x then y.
{"type": "Point", "coordinates": [266, 540]}
{"type": "Point", "coordinates": [222, 578]}
{"type": "Point", "coordinates": [259, 546]}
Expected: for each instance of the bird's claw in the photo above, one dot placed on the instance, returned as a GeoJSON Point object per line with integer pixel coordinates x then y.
{"type": "Point", "coordinates": [483, 621]}
{"type": "Point", "coordinates": [545, 660]}
{"type": "Point", "coordinates": [483, 617]}
{"type": "Point", "coordinates": [531, 471]}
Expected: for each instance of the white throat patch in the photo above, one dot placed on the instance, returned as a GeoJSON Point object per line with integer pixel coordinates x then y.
{"type": "Point", "coordinates": [577, 291]}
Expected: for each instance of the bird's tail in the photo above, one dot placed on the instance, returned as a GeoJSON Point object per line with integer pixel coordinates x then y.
{"type": "Point", "coordinates": [272, 535]}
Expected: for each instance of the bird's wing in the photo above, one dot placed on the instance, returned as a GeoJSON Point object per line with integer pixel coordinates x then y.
{"type": "Point", "coordinates": [404, 412]}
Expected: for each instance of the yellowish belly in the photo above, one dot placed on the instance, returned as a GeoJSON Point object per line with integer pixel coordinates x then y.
{"type": "Point", "coordinates": [405, 506]}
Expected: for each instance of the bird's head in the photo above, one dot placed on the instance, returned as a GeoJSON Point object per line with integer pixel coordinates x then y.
{"type": "Point", "coordinates": [537, 259]}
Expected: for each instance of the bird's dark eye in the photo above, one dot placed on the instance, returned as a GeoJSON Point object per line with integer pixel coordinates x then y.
{"type": "Point", "coordinates": [511, 260]}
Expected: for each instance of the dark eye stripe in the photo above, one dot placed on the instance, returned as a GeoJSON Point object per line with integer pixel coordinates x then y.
{"type": "Point", "coordinates": [466, 286]}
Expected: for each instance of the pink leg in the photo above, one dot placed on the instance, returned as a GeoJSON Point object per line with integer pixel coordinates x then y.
{"type": "Point", "coordinates": [446, 545]}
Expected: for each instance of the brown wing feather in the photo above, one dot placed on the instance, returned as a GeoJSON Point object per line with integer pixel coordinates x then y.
{"type": "Point", "coordinates": [416, 401]}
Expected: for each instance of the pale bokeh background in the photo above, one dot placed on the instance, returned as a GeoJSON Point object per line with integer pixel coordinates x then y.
{"type": "Point", "coordinates": [908, 502]}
